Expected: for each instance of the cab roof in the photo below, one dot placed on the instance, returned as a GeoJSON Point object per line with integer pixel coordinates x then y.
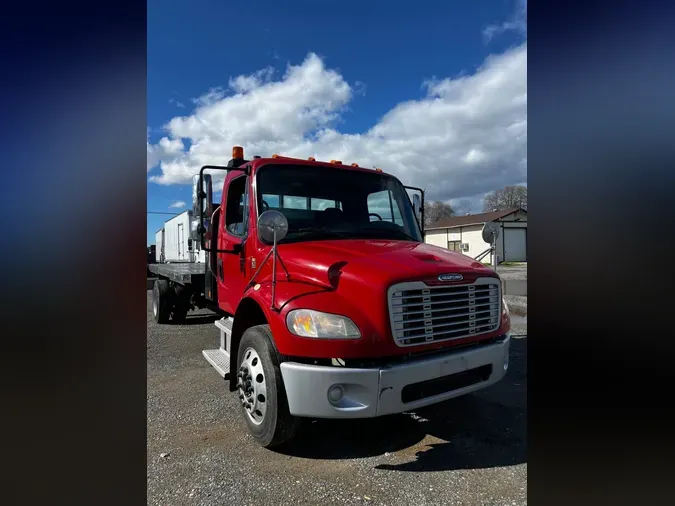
{"type": "Point", "coordinates": [257, 163]}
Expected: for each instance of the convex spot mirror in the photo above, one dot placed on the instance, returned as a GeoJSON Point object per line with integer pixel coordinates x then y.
{"type": "Point", "coordinates": [268, 223]}
{"type": "Point", "coordinates": [490, 232]}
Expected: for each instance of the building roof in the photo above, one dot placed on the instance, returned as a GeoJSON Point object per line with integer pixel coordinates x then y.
{"type": "Point", "coordinates": [472, 219]}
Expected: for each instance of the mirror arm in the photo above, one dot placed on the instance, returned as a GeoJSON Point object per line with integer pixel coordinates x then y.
{"type": "Point", "coordinates": [250, 283]}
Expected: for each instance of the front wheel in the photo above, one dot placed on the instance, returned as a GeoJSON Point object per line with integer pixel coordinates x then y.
{"type": "Point", "coordinates": [261, 390]}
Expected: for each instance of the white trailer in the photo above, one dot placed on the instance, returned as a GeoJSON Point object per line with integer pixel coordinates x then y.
{"type": "Point", "coordinates": [176, 243]}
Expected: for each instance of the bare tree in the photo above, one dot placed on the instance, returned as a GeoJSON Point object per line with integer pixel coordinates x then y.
{"type": "Point", "coordinates": [435, 211]}
{"type": "Point", "coordinates": [508, 197]}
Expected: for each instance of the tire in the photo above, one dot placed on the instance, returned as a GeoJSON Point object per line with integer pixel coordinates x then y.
{"type": "Point", "coordinates": [161, 301]}
{"type": "Point", "coordinates": [180, 305]}
{"type": "Point", "coordinates": [276, 426]}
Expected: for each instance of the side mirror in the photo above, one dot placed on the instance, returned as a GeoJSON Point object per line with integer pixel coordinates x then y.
{"type": "Point", "coordinates": [417, 207]}
{"type": "Point", "coordinates": [201, 202]}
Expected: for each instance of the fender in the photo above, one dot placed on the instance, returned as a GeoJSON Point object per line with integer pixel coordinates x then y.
{"type": "Point", "coordinates": [255, 308]}
{"type": "Point", "coordinates": [293, 295]}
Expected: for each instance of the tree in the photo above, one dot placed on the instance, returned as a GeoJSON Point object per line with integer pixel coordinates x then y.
{"type": "Point", "coordinates": [508, 197]}
{"type": "Point", "coordinates": [435, 211]}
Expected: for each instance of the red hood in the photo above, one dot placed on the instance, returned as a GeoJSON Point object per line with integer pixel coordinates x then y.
{"type": "Point", "coordinates": [362, 272]}
{"type": "Point", "coordinates": [377, 262]}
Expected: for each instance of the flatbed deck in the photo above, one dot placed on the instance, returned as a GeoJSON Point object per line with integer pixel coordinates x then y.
{"type": "Point", "coordinates": [180, 272]}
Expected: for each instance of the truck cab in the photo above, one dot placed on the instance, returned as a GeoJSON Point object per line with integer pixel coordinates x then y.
{"type": "Point", "coordinates": [334, 307]}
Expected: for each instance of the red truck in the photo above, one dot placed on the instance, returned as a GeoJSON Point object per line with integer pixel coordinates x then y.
{"type": "Point", "coordinates": [333, 306]}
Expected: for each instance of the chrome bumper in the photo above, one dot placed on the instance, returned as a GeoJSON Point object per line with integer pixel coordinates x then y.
{"type": "Point", "coordinates": [340, 392]}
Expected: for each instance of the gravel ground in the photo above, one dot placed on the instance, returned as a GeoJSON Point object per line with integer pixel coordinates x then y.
{"type": "Point", "coordinates": [470, 450]}
{"type": "Point", "coordinates": [517, 304]}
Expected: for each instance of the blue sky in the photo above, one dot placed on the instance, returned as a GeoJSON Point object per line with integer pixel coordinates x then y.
{"type": "Point", "coordinates": [366, 78]}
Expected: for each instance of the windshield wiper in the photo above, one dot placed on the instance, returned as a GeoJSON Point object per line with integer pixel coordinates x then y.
{"type": "Point", "coordinates": [389, 230]}
{"type": "Point", "coordinates": [318, 230]}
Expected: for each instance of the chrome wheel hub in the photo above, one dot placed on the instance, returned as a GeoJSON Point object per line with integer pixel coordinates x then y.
{"type": "Point", "coordinates": [252, 386]}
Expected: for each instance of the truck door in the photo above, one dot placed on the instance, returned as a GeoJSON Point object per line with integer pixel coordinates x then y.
{"type": "Point", "coordinates": [232, 269]}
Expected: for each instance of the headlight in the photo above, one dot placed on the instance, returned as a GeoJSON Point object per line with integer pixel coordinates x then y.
{"type": "Point", "coordinates": [309, 323]}
{"type": "Point", "coordinates": [505, 307]}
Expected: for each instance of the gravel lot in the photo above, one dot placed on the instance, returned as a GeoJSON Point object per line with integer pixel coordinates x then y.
{"type": "Point", "coordinates": [470, 450]}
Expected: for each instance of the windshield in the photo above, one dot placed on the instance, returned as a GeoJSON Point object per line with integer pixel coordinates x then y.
{"type": "Point", "coordinates": [326, 203]}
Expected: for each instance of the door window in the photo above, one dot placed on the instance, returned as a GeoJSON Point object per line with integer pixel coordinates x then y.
{"type": "Point", "coordinates": [236, 215]}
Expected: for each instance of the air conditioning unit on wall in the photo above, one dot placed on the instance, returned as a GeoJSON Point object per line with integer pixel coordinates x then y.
{"type": "Point", "coordinates": [464, 246]}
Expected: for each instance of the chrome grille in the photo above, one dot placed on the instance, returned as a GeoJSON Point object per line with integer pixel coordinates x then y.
{"type": "Point", "coordinates": [420, 313]}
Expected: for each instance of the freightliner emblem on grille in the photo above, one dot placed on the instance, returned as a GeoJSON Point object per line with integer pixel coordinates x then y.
{"type": "Point", "coordinates": [450, 277]}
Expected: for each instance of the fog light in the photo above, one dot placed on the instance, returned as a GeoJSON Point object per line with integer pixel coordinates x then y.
{"type": "Point", "coordinates": [335, 393]}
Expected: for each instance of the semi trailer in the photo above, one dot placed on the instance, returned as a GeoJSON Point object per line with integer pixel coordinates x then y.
{"type": "Point", "coordinates": [332, 305]}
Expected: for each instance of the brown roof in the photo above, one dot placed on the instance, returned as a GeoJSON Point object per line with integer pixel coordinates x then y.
{"type": "Point", "coordinates": [471, 219]}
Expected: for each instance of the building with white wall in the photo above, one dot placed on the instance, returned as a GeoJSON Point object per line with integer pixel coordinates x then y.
{"type": "Point", "coordinates": [463, 234]}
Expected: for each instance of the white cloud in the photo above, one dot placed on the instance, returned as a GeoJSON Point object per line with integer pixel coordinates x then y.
{"type": "Point", "coordinates": [517, 22]}
{"type": "Point", "coordinates": [165, 148]}
{"type": "Point", "coordinates": [465, 137]}
{"type": "Point", "coordinates": [178, 204]}
{"type": "Point", "coordinates": [243, 84]}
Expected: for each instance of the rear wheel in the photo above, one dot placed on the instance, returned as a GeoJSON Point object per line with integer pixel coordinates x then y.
{"type": "Point", "coordinates": [161, 301]}
{"type": "Point", "coordinates": [180, 304]}
{"type": "Point", "coordinates": [261, 390]}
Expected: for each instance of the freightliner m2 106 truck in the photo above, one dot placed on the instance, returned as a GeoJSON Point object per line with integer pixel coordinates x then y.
{"type": "Point", "coordinates": [332, 304]}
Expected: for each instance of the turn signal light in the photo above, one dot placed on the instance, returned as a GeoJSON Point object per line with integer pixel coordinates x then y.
{"type": "Point", "coordinates": [238, 153]}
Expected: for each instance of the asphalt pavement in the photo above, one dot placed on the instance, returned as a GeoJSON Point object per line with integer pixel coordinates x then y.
{"type": "Point", "coordinates": [470, 450]}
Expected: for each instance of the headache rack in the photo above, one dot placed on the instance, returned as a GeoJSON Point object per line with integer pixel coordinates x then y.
{"type": "Point", "coordinates": [421, 314]}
